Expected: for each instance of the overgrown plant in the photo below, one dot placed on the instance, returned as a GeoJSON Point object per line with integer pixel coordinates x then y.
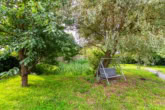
{"type": "Point", "coordinates": [94, 56]}
{"type": "Point", "coordinates": [78, 67]}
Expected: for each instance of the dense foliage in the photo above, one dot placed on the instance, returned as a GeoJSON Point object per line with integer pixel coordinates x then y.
{"type": "Point", "coordinates": [35, 30]}
{"type": "Point", "coordinates": [8, 63]}
{"type": "Point", "coordinates": [94, 56]}
{"type": "Point", "coordinates": [132, 26]}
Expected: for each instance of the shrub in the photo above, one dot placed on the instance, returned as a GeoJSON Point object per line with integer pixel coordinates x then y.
{"type": "Point", "coordinates": [8, 63]}
{"type": "Point", "coordinates": [94, 56]}
{"type": "Point", "coordinates": [11, 72]}
{"type": "Point", "coordinates": [128, 60]}
{"type": "Point", "coordinates": [44, 69]}
{"type": "Point", "coordinates": [154, 60]}
{"type": "Point", "coordinates": [158, 60]}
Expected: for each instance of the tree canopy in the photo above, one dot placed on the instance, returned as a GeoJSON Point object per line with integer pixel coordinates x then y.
{"type": "Point", "coordinates": [133, 26]}
{"type": "Point", "coordinates": [35, 30]}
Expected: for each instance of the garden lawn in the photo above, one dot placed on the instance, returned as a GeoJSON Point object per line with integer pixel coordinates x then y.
{"type": "Point", "coordinates": [141, 91]}
{"type": "Point", "coordinates": [158, 68]}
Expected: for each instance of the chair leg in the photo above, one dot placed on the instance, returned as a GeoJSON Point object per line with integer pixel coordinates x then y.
{"type": "Point", "coordinates": [124, 77]}
{"type": "Point", "coordinates": [107, 81]}
{"type": "Point", "coordinates": [98, 79]}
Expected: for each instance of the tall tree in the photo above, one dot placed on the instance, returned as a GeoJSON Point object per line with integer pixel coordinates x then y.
{"type": "Point", "coordinates": [35, 30]}
{"type": "Point", "coordinates": [120, 26]}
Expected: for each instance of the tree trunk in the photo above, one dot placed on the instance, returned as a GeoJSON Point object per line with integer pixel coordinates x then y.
{"type": "Point", "coordinates": [106, 62]}
{"type": "Point", "coordinates": [24, 69]}
{"type": "Point", "coordinates": [24, 75]}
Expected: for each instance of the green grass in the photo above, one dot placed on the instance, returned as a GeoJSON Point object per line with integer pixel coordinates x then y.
{"type": "Point", "coordinates": [159, 68]}
{"type": "Point", "coordinates": [61, 92]}
{"type": "Point", "coordinates": [78, 67]}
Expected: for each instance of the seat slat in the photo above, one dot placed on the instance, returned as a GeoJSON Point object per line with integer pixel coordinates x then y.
{"type": "Point", "coordinates": [110, 72]}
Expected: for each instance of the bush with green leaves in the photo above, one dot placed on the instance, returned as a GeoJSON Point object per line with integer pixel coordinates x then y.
{"type": "Point", "coordinates": [94, 56]}
{"type": "Point", "coordinates": [158, 59]}
{"type": "Point", "coordinates": [127, 59]}
{"type": "Point", "coordinates": [8, 63]}
{"type": "Point", "coordinates": [11, 72]}
{"type": "Point", "coordinates": [43, 68]}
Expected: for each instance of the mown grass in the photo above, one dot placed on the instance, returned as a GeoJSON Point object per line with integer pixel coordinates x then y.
{"type": "Point", "coordinates": [158, 68]}
{"type": "Point", "coordinates": [141, 91]}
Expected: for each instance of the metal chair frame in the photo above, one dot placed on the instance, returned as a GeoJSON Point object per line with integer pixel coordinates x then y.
{"type": "Point", "coordinates": [101, 66]}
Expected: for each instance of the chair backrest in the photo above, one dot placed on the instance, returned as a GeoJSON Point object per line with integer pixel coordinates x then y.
{"type": "Point", "coordinates": [108, 71]}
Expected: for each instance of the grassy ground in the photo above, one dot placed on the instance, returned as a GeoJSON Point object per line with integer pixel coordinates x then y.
{"type": "Point", "coordinates": [141, 91]}
{"type": "Point", "coordinates": [159, 68]}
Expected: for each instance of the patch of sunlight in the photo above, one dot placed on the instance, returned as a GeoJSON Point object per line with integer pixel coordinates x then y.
{"type": "Point", "coordinates": [36, 77]}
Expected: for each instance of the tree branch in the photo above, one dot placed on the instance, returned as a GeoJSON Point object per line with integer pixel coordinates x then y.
{"type": "Point", "coordinates": [87, 27]}
{"type": "Point", "coordinates": [92, 44]}
{"type": "Point", "coordinates": [7, 33]}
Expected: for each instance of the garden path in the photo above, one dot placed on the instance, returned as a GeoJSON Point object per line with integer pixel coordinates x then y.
{"type": "Point", "coordinates": [158, 73]}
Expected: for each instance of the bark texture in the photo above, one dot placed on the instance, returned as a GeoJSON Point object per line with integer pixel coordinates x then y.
{"type": "Point", "coordinates": [106, 62]}
{"type": "Point", "coordinates": [24, 69]}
